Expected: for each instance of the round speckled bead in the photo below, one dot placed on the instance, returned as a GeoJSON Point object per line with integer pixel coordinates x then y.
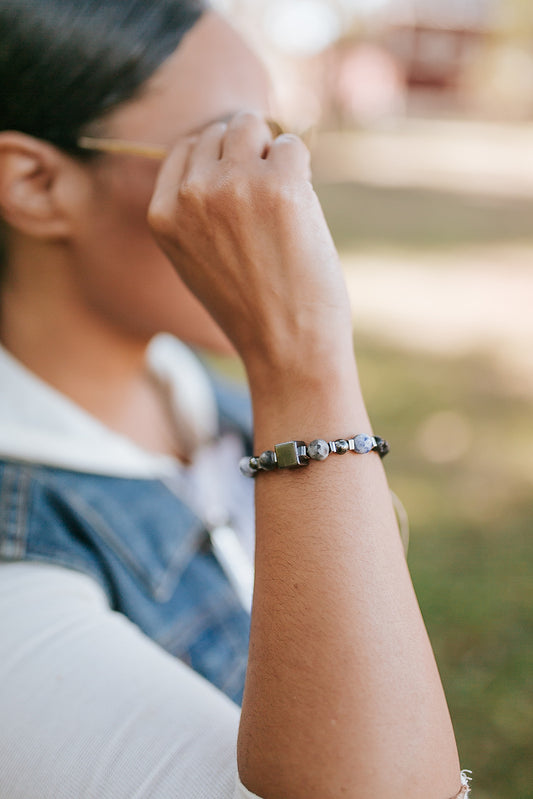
{"type": "Point", "coordinates": [342, 446]}
{"type": "Point", "coordinates": [363, 443]}
{"type": "Point", "coordinates": [318, 449]}
{"type": "Point", "coordinates": [268, 460]}
{"type": "Point", "coordinates": [246, 468]}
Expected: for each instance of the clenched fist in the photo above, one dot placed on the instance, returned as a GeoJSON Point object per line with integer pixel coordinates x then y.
{"type": "Point", "coordinates": [244, 228]}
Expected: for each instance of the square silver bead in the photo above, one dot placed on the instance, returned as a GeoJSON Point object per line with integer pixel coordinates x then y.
{"type": "Point", "coordinates": [291, 454]}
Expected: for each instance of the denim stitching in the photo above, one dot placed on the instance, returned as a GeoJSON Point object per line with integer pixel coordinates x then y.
{"type": "Point", "coordinates": [13, 505]}
{"type": "Point", "coordinates": [4, 511]}
{"type": "Point", "coordinates": [159, 584]}
{"type": "Point", "coordinates": [22, 512]}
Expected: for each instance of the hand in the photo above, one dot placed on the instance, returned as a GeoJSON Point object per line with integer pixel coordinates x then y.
{"type": "Point", "coordinates": [245, 230]}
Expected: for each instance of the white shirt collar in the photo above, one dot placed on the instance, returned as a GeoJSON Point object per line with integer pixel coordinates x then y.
{"type": "Point", "coordinates": [38, 424]}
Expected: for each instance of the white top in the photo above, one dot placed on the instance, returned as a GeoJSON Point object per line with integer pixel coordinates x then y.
{"type": "Point", "coordinates": [90, 708]}
{"type": "Point", "coordinates": [39, 424]}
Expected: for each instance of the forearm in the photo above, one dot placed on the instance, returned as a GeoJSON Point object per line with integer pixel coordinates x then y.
{"type": "Point", "coordinates": [343, 697]}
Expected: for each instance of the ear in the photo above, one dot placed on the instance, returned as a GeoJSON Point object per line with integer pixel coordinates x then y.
{"type": "Point", "coordinates": [32, 173]}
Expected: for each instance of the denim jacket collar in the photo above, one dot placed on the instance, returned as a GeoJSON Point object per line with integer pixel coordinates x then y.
{"type": "Point", "coordinates": [40, 425]}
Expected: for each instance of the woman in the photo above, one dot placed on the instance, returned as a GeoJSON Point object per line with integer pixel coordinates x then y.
{"type": "Point", "coordinates": [114, 463]}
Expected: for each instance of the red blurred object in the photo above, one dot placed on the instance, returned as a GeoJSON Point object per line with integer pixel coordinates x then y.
{"type": "Point", "coordinates": [433, 57]}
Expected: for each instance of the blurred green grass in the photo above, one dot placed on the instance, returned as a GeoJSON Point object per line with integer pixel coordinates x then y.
{"type": "Point", "coordinates": [471, 552]}
{"type": "Point", "coordinates": [361, 215]}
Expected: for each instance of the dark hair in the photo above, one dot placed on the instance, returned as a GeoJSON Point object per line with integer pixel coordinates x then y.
{"type": "Point", "coordinates": [65, 63]}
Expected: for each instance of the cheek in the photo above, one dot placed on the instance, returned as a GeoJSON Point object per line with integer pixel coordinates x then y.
{"type": "Point", "coordinates": [126, 279]}
{"type": "Point", "coordinates": [122, 264]}
{"type": "Point", "coordinates": [127, 192]}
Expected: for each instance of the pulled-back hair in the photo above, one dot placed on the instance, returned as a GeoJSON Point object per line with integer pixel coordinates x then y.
{"type": "Point", "coordinates": [66, 63]}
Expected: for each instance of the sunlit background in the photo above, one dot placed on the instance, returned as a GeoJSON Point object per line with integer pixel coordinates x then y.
{"type": "Point", "coordinates": [423, 159]}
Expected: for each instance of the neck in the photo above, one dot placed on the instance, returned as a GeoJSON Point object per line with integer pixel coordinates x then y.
{"type": "Point", "coordinates": [98, 366]}
{"type": "Point", "coordinates": [66, 347]}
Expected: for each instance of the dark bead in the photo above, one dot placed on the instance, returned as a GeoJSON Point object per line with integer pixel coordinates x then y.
{"type": "Point", "coordinates": [342, 446]}
{"type": "Point", "coordinates": [268, 460]}
{"type": "Point", "coordinates": [382, 446]}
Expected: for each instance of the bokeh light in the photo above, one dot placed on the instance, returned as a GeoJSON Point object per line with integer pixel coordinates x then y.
{"type": "Point", "coordinates": [301, 27]}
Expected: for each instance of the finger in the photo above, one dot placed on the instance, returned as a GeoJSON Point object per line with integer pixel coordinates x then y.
{"type": "Point", "coordinates": [289, 155]}
{"type": "Point", "coordinates": [189, 158]}
{"type": "Point", "coordinates": [248, 136]}
{"type": "Point", "coordinates": [170, 176]}
{"type": "Point", "coordinates": [207, 145]}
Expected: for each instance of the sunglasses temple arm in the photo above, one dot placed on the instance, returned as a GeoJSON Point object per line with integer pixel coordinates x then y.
{"type": "Point", "coordinates": [119, 146]}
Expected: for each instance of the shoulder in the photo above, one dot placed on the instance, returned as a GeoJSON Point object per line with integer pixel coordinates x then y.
{"type": "Point", "coordinates": [93, 702]}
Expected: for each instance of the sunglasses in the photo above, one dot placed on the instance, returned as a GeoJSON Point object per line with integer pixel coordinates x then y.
{"type": "Point", "coordinates": [156, 153]}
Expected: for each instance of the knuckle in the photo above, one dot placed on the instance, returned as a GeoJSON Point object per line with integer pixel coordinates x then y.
{"type": "Point", "coordinates": [231, 187]}
{"type": "Point", "coordinates": [247, 118]}
{"type": "Point", "coordinates": [187, 191]}
{"type": "Point", "coordinates": [191, 192]}
{"type": "Point", "coordinates": [279, 191]}
{"type": "Point", "coordinates": [287, 194]}
{"type": "Point", "coordinates": [185, 200]}
{"type": "Point", "coordinates": [288, 138]}
{"type": "Point", "coordinates": [292, 141]}
{"type": "Point", "coordinates": [219, 125]}
{"type": "Point", "coordinates": [214, 129]}
{"type": "Point", "coordinates": [282, 185]}
{"type": "Point", "coordinates": [290, 149]}
{"type": "Point", "coordinates": [158, 217]}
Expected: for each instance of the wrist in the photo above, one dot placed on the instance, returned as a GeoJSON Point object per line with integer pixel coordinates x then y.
{"type": "Point", "coordinates": [318, 364]}
{"type": "Point", "coordinates": [324, 402]}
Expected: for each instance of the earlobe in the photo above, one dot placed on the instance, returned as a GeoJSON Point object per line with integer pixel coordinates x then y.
{"type": "Point", "coordinates": [29, 200]}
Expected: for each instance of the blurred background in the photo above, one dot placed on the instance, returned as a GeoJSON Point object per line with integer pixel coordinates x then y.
{"type": "Point", "coordinates": [422, 113]}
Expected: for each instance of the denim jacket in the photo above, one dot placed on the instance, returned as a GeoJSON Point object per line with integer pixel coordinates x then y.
{"type": "Point", "coordinates": [131, 528]}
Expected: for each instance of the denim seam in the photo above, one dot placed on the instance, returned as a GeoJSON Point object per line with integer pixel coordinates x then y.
{"type": "Point", "coordinates": [195, 623]}
{"type": "Point", "coordinates": [5, 492]}
{"type": "Point", "coordinates": [23, 512]}
{"type": "Point", "coordinates": [188, 628]}
{"type": "Point", "coordinates": [157, 584]}
{"type": "Point", "coordinates": [14, 503]}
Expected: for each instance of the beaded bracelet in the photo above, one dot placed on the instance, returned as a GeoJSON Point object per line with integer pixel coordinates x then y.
{"type": "Point", "coordinates": [293, 454]}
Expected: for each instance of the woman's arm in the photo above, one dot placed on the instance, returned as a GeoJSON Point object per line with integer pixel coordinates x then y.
{"type": "Point", "coordinates": [343, 698]}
